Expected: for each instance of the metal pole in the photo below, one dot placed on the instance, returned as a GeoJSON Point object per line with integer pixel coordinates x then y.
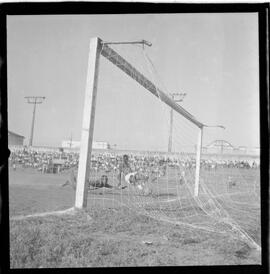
{"type": "Point", "coordinates": [143, 42]}
{"type": "Point", "coordinates": [33, 100]}
{"type": "Point", "coordinates": [171, 131]}
{"type": "Point", "coordinates": [182, 95]}
{"type": "Point", "coordinates": [70, 144]}
{"type": "Point", "coordinates": [32, 126]}
{"type": "Point", "coordinates": [198, 162]}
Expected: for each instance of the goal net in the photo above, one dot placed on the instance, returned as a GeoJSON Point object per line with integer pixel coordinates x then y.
{"type": "Point", "coordinates": [169, 172]}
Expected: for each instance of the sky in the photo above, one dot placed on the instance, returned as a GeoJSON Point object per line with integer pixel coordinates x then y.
{"type": "Point", "coordinates": [213, 58]}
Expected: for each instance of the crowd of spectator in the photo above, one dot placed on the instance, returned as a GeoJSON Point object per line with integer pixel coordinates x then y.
{"type": "Point", "coordinates": [242, 164]}
{"type": "Point", "coordinates": [43, 160]}
{"type": "Point", "coordinates": [47, 161]}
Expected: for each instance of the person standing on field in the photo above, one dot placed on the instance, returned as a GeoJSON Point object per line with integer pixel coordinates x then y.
{"type": "Point", "coordinates": [124, 169]}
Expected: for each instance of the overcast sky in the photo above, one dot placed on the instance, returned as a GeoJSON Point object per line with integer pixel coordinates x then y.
{"type": "Point", "coordinates": [211, 57]}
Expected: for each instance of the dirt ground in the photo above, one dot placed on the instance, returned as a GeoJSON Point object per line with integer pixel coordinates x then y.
{"type": "Point", "coordinates": [103, 236]}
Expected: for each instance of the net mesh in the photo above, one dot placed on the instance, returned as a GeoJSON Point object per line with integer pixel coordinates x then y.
{"type": "Point", "coordinates": [161, 185]}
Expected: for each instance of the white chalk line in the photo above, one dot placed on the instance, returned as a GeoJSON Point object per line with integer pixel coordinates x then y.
{"type": "Point", "coordinates": [44, 214]}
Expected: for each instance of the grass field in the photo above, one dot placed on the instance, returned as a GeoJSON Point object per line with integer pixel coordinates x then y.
{"type": "Point", "coordinates": [107, 234]}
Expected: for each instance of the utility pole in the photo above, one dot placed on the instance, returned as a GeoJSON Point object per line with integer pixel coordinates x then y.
{"type": "Point", "coordinates": [70, 143]}
{"type": "Point", "coordinates": [33, 100]}
{"type": "Point", "coordinates": [177, 97]}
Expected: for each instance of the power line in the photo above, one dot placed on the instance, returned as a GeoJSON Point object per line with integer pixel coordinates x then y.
{"type": "Point", "coordinates": [33, 100]}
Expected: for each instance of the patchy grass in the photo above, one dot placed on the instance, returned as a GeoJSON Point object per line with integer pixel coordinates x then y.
{"type": "Point", "coordinates": [112, 238]}
{"type": "Point", "coordinates": [104, 236]}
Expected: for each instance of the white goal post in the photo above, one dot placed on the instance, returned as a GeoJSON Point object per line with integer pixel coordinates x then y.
{"type": "Point", "coordinates": [97, 48]}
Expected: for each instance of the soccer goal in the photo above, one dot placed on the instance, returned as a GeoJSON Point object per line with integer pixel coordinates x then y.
{"type": "Point", "coordinates": [166, 175]}
{"type": "Point", "coordinates": [98, 47]}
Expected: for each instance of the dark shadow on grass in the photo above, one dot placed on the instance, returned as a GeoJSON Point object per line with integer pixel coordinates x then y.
{"type": "Point", "coordinates": [165, 195]}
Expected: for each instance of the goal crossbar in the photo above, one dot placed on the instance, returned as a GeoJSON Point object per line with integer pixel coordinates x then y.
{"type": "Point", "coordinates": [125, 66]}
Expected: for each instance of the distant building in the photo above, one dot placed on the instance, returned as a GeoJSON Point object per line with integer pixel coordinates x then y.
{"type": "Point", "coordinates": [222, 146]}
{"type": "Point", "coordinates": [70, 144]}
{"type": "Point", "coordinates": [76, 145]}
{"type": "Point", "coordinates": [15, 139]}
{"type": "Point", "coordinates": [219, 146]}
{"type": "Point", "coordinates": [100, 145]}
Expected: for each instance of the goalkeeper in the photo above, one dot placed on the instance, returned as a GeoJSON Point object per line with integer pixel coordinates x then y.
{"type": "Point", "coordinates": [92, 184]}
{"type": "Point", "coordinates": [102, 182]}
